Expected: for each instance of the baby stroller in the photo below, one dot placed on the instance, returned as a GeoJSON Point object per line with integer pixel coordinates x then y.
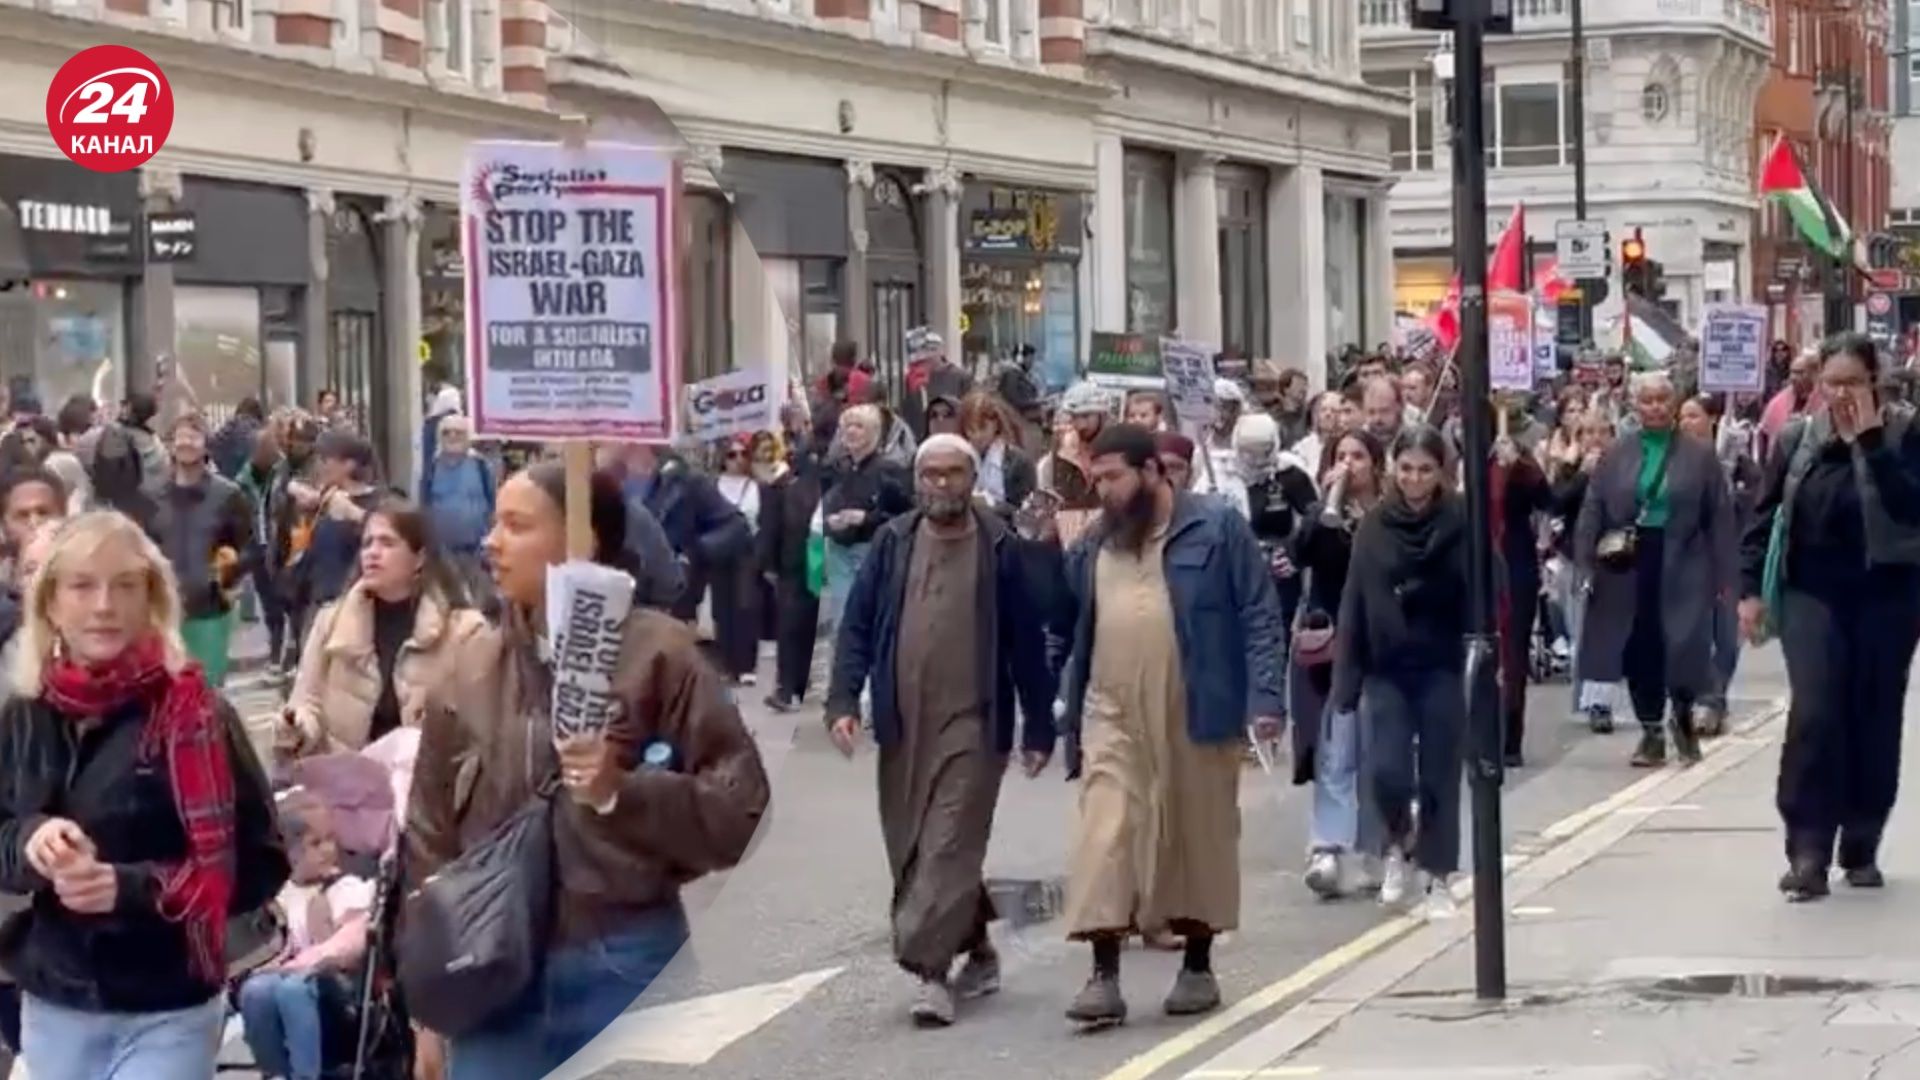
{"type": "Point", "coordinates": [364, 1027]}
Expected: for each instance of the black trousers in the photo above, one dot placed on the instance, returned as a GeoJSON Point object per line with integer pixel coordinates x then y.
{"type": "Point", "coordinates": [1412, 735]}
{"type": "Point", "coordinates": [736, 615]}
{"type": "Point", "coordinates": [798, 614]}
{"type": "Point", "coordinates": [1646, 656]}
{"type": "Point", "coordinates": [1847, 660]}
{"type": "Point", "coordinates": [1516, 658]}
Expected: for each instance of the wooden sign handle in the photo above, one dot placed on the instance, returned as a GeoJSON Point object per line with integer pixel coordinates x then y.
{"type": "Point", "coordinates": [579, 459]}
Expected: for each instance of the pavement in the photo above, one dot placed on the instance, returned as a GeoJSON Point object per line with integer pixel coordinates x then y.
{"type": "Point", "coordinates": [789, 974]}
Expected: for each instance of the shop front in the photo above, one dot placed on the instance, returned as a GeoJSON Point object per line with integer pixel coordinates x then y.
{"type": "Point", "coordinates": [1019, 279]}
{"type": "Point", "coordinates": [64, 320]}
{"type": "Point", "coordinates": [443, 308]}
{"type": "Point", "coordinates": [239, 294]}
{"type": "Point", "coordinates": [1150, 183]}
{"type": "Point", "coordinates": [789, 310]}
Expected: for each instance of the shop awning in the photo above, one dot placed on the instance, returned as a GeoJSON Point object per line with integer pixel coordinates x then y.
{"type": "Point", "coordinates": [13, 248]}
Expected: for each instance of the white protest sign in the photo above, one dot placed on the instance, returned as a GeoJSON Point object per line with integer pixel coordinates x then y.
{"type": "Point", "coordinates": [1188, 367]}
{"type": "Point", "coordinates": [736, 403]}
{"type": "Point", "coordinates": [1510, 342]}
{"type": "Point", "coordinates": [571, 298]}
{"type": "Point", "coordinates": [587, 606]}
{"type": "Point", "coordinates": [1733, 348]}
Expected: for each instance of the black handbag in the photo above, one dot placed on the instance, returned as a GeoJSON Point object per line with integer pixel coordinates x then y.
{"type": "Point", "coordinates": [473, 934]}
{"type": "Point", "coordinates": [1618, 549]}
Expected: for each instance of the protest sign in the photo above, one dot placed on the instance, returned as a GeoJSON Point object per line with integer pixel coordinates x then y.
{"type": "Point", "coordinates": [1510, 342]}
{"type": "Point", "coordinates": [736, 403]}
{"type": "Point", "coordinates": [571, 298]}
{"type": "Point", "coordinates": [587, 606]}
{"type": "Point", "coordinates": [1126, 361]}
{"type": "Point", "coordinates": [1733, 348]}
{"type": "Point", "coordinates": [1188, 370]}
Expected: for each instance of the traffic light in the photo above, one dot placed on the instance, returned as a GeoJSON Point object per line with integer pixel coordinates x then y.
{"type": "Point", "coordinates": [1634, 280]}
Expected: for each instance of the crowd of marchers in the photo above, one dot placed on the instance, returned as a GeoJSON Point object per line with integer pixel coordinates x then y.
{"type": "Point", "coordinates": [969, 573]}
{"type": "Point", "coordinates": [1159, 609]}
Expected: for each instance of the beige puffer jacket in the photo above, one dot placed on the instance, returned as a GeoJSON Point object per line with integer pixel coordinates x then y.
{"type": "Point", "coordinates": [339, 681]}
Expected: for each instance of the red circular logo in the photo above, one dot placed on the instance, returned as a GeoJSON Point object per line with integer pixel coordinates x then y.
{"type": "Point", "coordinates": [110, 108]}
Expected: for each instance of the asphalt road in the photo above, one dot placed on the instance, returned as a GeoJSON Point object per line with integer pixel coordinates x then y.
{"type": "Point", "coordinates": [790, 976]}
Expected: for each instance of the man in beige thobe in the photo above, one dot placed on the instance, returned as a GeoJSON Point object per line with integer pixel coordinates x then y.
{"type": "Point", "coordinates": [1176, 654]}
{"type": "Point", "coordinates": [940, 620]}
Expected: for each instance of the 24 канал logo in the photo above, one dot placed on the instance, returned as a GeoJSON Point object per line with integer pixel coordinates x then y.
{"type": "Point", "coordinates": [110, 108]}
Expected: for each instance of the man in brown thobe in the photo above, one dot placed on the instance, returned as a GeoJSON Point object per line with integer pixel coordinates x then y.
{"type": "Point", "coordinates": [1176, 652]}
{"type": "Point", "coordinates": [940, 620]}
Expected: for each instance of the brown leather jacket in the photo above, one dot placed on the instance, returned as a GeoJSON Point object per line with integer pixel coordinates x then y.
{"type": "Point", "coordinates": [486, 744]}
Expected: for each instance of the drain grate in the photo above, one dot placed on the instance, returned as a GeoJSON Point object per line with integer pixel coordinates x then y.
{"type": "Point", "coordinates": [1748, 984]}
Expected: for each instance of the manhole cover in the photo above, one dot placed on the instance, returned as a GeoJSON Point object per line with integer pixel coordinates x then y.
{"type": "Point", "coordinates": [1751, 985]}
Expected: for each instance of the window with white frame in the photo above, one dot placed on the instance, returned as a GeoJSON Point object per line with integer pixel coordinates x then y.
{"type": "Point", "coordinates": [997, 23]}
{"type": "Point", "coordinates": [1793, 41]}
{"type": "Point", "coordinates": [459, 18]}
{"type": "Point", "coordinates": [1529, 114]}
{"type": "Point", "coordinates": [230, 16]}
{"type": "Point", "coordinates": [1412, 138]}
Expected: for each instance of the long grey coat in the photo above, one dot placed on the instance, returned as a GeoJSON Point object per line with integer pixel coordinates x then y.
{"type": "Point", "coordinates": [1701, 559]}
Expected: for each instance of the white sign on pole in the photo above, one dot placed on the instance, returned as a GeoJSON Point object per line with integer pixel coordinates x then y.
{"type": "Point", "coordinates": [1733, 348]}
{"type": "Point", "coordinates": [1189, 371]}
{"type": "Point", "coordinates": [735, 403]}
{"type": "Point", "coordinates": [1581, 248]}
{"type": "Point", "coordinates": [1510, 343]}
{"type": "Point", "coordinates": [587, 606]}
{"type": "Point", "coordinates": [571, 298]}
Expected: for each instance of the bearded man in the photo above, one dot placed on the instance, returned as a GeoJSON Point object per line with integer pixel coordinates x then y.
{"type": "Point", "coordinates": [1176, 652]}
{"type": "Point", "coordinates": [941, 620]}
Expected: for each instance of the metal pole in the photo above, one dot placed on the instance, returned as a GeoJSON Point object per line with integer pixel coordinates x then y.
{"type": "Point", "coordinates": [1485, 761]}
{"type": "Point", "coordinates": [1846, 185]}
{"type": "Point", "coordinates": [1578, 88]}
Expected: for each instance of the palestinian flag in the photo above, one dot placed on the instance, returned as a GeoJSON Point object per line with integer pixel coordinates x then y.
{"type": "Point", "coordinates": [1783, 181]}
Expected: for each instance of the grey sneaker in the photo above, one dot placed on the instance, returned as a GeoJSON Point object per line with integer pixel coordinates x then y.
{"type": "Point", "coordinates": [934, 1005]}
{"type": "Point", "coordinates": [1323, 874]}
{"type": "Point", "coordinates": [1099, 1003]}
{"type": "Point", "coordinates": [979, 977]}
{"type": "Point", "coordinates": [1194, 992]}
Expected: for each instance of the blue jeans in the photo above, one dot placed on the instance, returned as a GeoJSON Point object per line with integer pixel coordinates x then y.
{"type": "Point", "coordinates": [581, 990]}
{"type": "Point", "coordinates": [58, 1043]}
{"type": "Point", "coordinates": [280, 1011]}
{"type": "Point", "coordinates": [1336, 783]}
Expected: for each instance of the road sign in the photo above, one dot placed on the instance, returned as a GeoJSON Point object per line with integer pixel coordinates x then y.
{"type": "Point", "coordinates": [1581, 247]}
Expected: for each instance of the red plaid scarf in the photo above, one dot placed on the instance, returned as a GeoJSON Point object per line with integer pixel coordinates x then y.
{"type": "Point", "coordinates": [183, 729]}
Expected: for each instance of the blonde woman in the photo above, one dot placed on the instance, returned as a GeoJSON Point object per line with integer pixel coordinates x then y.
{"type": "Point", "coordinates": [131, 812]}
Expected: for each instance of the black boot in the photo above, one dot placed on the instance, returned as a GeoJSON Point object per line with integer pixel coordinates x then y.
{"type": "Point", "coordinates": [1805, 879]}
{"type": "Point", "coordinates": [1652, 751]}
{"type": "Point", "coordinates": [1686, 743]}
{"type": "Point", "coordinates": [1860, 858]}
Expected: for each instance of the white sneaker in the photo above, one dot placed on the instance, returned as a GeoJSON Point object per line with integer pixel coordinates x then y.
{"type": "Point", "coordinates": [1323, 874]}
{"type": "Point", "coordinates": [1366, 874]}
{"type": "Point", "coordinates": [1398, 880]}
{"type": "Point", "coordinates": [1440, 904]}
{"type": "Point", "coordinates": [749, 679]}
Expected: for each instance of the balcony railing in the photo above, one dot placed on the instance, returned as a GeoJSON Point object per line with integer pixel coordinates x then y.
{"type": "Point", "coordinates": [1391, 15]}
{"type": "Point", "coordinates": [1753, 18]}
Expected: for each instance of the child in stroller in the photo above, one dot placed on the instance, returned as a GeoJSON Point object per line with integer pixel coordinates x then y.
{"type": "Point", "coordinates": [327, 1006]}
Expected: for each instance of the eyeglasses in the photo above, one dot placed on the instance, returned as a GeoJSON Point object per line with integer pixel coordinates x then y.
{"type": "Point", "coordinates": [736, 455]}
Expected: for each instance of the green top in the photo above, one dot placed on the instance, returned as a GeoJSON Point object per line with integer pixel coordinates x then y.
{"type": "Point", "coordinates": [1654, 448]}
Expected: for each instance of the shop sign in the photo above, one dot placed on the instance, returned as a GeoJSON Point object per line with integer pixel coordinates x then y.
{"type": "Point", "coordinates": [1018, 220]}
{"type": "Point", "coordinates": [75, 219]}
{"type": "Point", "coordinates": [1126, 361]}
{"type": "Point", "coordinates": [570, 259]}
{"type": "Point", "coordinates": [172, 237]}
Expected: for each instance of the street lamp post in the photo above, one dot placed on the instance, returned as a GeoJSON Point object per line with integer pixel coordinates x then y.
{"type": "Point", "coordinates": [1469, 20]}
{"type": "Point", "coordinates": [1578, 88]}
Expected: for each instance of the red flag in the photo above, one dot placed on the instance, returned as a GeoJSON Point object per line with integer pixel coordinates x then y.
{"type": "Point", "coordinates": [1503, 274]}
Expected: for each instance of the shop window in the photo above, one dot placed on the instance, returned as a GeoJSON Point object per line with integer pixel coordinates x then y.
{"type": "Point", "coordinates": [1243, 262]}
{"type": "Point", "coordinates": [1149, 240]}
{"type": "Point", "coordinates": [79, 342]}
{"type": "Point", "coordinates": [707, 343]}
{"type": "Point", "coordinates": [1013, 305]}
{"type": "Point", "coordinates": [216, 348]}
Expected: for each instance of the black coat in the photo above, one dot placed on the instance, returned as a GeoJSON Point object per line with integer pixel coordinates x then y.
{"type": "Point", "coordinates": [133, 960]}
{"type": "Point", "coordinates": [1402, 607]}
{"type": "Point", "coordinates": [786, 517]}
{"type": "Point", "coordinates": [881, 487]}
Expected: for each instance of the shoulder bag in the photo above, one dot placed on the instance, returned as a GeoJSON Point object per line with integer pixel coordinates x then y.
{"type": "Point", "coordinates": [1618, 549]}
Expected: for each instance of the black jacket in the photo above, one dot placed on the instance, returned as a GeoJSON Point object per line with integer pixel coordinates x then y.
{"type": "Point", "coordinates": [132, 960]}
{"type": "Point", "coordinates": [1403, 607]}
{"type": "Point", "coordinates": [786, 517]}
{"type": "Point", "coordinates": [190, 523]}
{"type": "Point", "coordinates": [1012, 625]}
{"type": "Point", "coordinates": [879, 486]}
{"type": "Point", "coordinates": [700, 523]}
